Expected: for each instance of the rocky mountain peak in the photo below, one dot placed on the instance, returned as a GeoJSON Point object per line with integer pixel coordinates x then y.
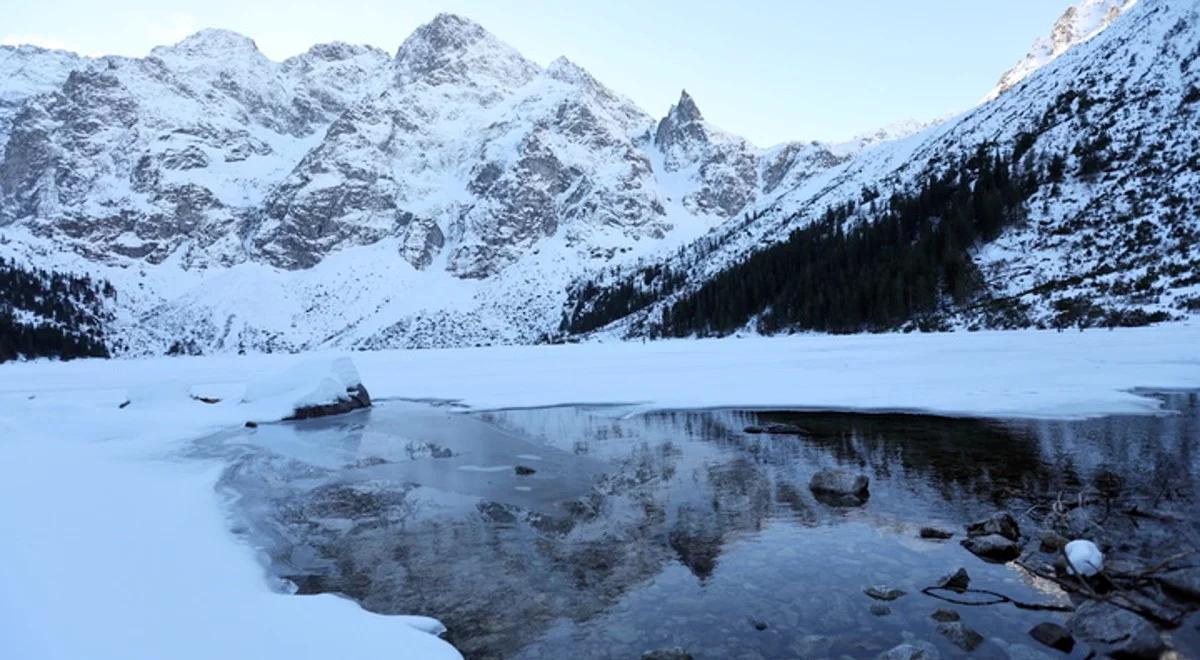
{"type": "Point", "coordinates": [685, 110]}
{"type": "Point", "coordinates": [335, 51]}
{"type": "Point", "coordinates": [452, 49]}
{"type": "Point", "coordinates": [1077, 24]}
{"type": "Point", "coordinates": [683, 124]}
{"type": "Point", "coordinates": [210, 43]}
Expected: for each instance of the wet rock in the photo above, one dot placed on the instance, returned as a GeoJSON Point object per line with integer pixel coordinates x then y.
{"type": "Point", "coordinates": [1054, 636]}
{"type": "Point", "coordinates": [1110, 630]}
{"type": "Point", "coordinates": [993, 547]}
{"type": "Point", "coordinates": [959, 580]}
{"type": "Point", "coordinates": [251, 425]}
{"type": "Point", "coordinates": [524, 470]}
{"type": "Point", "coordinates": [1183, 584]}
{"type": "Point", "coordinates": [1001, 523]}
{"type": "Point", "coordinates": [840, 487]}
{"type": "Point", "coordinates": [776, 428]}
{"type": "Point", "coordinates": [881, 592]}
{"type": "Point", "coordinates": [960, 635]}
{"type": "Point", "coordinates": [880, 610]}
{"type": "Point", "coordinates": [935, 533]}
{"type": "Point", "coordinates": [1052, 542]}
{"type": "Point", "coordinates": [676, 653]}
{"type": "Point", "coordinates": [915, 650]}
{"type": "Point", "coordinates": [944, 615]}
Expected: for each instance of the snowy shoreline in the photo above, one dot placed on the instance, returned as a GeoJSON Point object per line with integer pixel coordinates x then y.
{"type": "Point", "coordinates": [124, 549]}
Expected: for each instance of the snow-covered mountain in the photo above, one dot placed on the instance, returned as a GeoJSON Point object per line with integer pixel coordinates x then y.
{"type": "Point", "coordinates": [452, 193]}
{"type": "Point", "coordinates": [1077, 24]}
{"type": "Point", "coordinates": [1107, 133]}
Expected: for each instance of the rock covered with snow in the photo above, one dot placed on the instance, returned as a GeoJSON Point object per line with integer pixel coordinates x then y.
{"type": "Point", "coordinates": [315, 388]}
{"type": "Point", "coordinates": [1084, 558]}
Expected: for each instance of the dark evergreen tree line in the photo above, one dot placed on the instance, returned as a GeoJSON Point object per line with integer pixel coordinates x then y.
{"type": "Point", "coordinates": [50, 314]}
{"type": "Point", "coordinates": [900, 261]}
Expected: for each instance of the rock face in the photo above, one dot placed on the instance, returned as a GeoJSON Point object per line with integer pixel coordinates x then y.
{"type": "Point", "coordinates": [840, 487]}
{"type": "Point", "coordinates": [1112, 631]}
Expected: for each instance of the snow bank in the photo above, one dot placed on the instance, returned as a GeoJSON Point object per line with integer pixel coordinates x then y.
{"type": "Point", "coordinates": [120, 550]}
{"type": "Point", "coordinates": [115, 548]}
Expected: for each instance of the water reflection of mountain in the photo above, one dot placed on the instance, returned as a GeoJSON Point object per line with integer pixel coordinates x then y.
{"type": "Point", "coordinates": [412, 509]}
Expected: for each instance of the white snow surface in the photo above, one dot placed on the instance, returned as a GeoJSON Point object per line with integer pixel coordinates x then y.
{"type": "Point", "coordinates": [118, 546]}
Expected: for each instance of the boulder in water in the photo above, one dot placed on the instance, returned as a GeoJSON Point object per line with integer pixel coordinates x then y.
{"type": "Point", "coordinates": [840, 487]}
{"type": "Point", "coordinates": [993, 548]}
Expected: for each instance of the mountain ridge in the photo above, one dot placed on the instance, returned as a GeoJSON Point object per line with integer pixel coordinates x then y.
{"type": "Point", "coordinates": [449, 194]}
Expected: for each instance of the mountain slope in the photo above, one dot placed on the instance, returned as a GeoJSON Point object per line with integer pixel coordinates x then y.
{"type": "Point", "coordinates": [1106, 133]}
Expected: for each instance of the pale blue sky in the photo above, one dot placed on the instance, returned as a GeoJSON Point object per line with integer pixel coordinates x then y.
{"type": "Point", "coordinates": [769, 70]}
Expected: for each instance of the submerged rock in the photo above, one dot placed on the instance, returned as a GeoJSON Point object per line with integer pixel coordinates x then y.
{"type": "Point", "coordinates": [993, 547]}
{"type": "Point", "coordinates": [944, 615]}
{"type": "Point", "coordinates": [914, 650]}
{"type": "Point", "coordinates": [960, 635]}
{"type": "Point", "coordinates": [775, 428]}
{"type": "Point", "coordinates": [676, 653]}
{"type": "Point", "coordinates": [1110, 630]}
{"type": "Point", "coordinates": [880, 610]}
{"type": "Point", "coordinates": [881, 592]}
{"type": "Point", "coordinates": [935, 533]}
{"type": "Point", "coordinates": [1054, 636]}
{"type": "Point", "coordinates": [1001, 523]}
{"type": "Point", "coordinates": [840, 487]}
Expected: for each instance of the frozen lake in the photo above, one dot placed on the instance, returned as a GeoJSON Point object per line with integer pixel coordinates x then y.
{"type": "Point", "coordinates": [622, 533]}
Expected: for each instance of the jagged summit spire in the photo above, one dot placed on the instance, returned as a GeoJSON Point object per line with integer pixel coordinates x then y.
{"type": "Point", "coordinates": [686, 109]}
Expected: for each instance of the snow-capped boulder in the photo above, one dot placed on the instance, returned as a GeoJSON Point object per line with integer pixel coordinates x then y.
{"type": "Point", "coordinates": [312, 389]}
{"type": "Point", "coordinates": [1084, 558]}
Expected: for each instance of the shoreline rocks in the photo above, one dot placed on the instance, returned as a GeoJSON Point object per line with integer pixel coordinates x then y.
{"type": "Point", "coordinates": [1112, 631]}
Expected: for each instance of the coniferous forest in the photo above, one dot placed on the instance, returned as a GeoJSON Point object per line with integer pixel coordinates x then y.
{"type": "Point", "coordinates": [871, 264]}
{"type": "Point", "coordinates": [50, 314]}
{"type": "Point", "coordinates": [909, 258]}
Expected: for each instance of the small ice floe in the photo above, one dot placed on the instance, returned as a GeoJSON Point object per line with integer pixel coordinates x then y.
{"type": "Point", "coordinates": [485, 468]}
{"type": "Point", "coordinates": [529, 457]}
{"type": "Point", "coordinates": [523, 489]}
{"type": "Point", "coordinates": [1084, 558]}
